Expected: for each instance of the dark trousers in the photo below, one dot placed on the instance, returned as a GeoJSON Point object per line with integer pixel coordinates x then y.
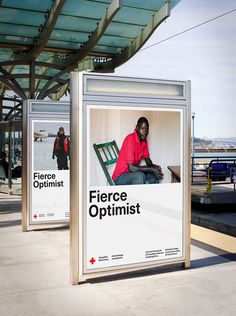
{"type": "Point", "coordinates": [137, 177]}
{"type": "Point", "coordinates": [62, 162]}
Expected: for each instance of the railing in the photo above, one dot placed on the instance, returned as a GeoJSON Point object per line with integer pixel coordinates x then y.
{"type": "Point", "coordinates": [213, 170]}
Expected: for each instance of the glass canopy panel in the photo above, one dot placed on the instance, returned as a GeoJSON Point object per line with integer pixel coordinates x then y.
{"type": "Point", "coordinates": [126, 14]}
{"type": "Point", "coordinates": [39, 70]}
{"type": "Point", "coordinates": [70, 36]}
{"type": "Point", "coordinates": [102, 1]}
{"type": "Point", "coordinates": [114, 41]}
{"type": "Point", "coordinates": [106, 49]}
{"type": "Point", "coordinates": [50, 72]}
{"type": "Point", "coordinates": [23, 82]}
{"type": "Point", "coordinates": [66, 45]}
{"type": "Point", "coordinates": [15, 39]}
{"type": "Point", "coordinates": [21, 69]}
{"type": "Point", "coordinates": [5, 54]}
{"type": "Point", "coordinates": [41, 84]}
{"type": "Point", "coordinates": [83, 8]}
{"type": "Point", "coordinates": [124, 29]}
{"type": "Point", "coordinates": [20, 16]}
{"type": "Point", "coordinates": [72, 23]}
{"type": "Point", "coordinates": [174, 3]}
{"type": "Point", "coordinates": [148, 5]}
{"type": "Point", "coordinates": [35, 5]}
{"type": "Point", "coordinates": [45, 56]}
{"type": "Point", "coordinates": [65, 76]}
{"type": "Point", "coordinates": [18, 30]}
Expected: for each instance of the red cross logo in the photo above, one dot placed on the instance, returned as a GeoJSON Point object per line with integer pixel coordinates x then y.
{"type": "Point", "coordinates": [92, 260]}
{"type": "Point", "coordinates": [35, 216]}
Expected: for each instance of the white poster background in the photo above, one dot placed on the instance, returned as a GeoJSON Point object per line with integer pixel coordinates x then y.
{"type": "Point", "coordinates": [157, 232]}
{"type": "Point", "coordinates": [48, 203]}
{"type": "Point", "coordinates": [154, 234]}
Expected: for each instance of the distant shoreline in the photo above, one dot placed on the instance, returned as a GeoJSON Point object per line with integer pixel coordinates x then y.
{"type": "Point", "coordinates": [215, 150]}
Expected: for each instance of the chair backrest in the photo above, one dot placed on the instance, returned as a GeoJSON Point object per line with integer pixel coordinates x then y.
{"type": "Point", "coordinates": [107, 154]}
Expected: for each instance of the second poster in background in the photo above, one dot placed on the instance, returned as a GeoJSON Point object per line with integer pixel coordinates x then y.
{"type": "Point", "coordinates": [50, 141]}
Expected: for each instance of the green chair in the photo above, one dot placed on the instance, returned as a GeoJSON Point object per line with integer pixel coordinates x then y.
{"type": "Point", "coordinates": [107, 154]}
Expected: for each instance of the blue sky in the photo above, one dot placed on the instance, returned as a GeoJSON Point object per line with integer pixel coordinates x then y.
{"type": "Point", "coordinates": [205, 55]}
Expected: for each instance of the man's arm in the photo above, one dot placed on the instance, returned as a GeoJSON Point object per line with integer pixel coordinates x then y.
{"type": "Point", "coordinates": [54, 150]}
{"type": "Point", "coordinates": [68, 154]}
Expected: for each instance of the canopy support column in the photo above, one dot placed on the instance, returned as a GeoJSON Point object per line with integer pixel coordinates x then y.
{"type": "Point", "coordinates": [32, 80]}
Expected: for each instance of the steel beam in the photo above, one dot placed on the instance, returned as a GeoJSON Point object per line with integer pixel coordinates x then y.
{"type": "Point", "coordinates": [7, 107]}
{"type": "Point", "coordinates": [7, 73]}
{"type": "Point", "coordinates": [47, 29]}
{"type": "Point", "coordinates": [45, 64]}
{"type": "Point", "coordinates": [56, 87]}
{"type": "Point", "coordinates": [111, 11]}
{"type": "Point", "coordinates": [37, 76]}
{"type": "Point", "coordinates": [161, 15]}
{"type": "Point", "coordinates": [13, 85]}
{"type": "Point", "coordinates": [27, 48]}
{"type": "Point", "coordinates": [48, 65]}
{"type": "Point", "coordinates": [32, 80]}
{"type": "Point", "coordinates": [2, 86]}
{"type": "Point", "coordinates": [2, 134]}
{"type": "Point", "coordinates": [59, 93]}
{"type": "Point", "coordinates": [13, 63]}
{"type": "Point", "coordinates": [86, 64]}
{"type": "Point", "coordinates": [8, 98]}
{"type": "Point", "coordinates": [96, 66]}
{"type": "Point", "coordinates": [16, 107]}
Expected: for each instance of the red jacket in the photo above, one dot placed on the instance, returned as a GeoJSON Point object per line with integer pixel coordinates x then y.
{"type": "Point", "coordinates": [66, 144]}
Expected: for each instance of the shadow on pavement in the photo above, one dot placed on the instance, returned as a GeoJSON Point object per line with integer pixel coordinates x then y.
{"type": "Point", "coordinates": [10, 223]}
{"type": "Point", "coordinates": [219, 258]}
{"type": "Point", "coordinates": [221, 255]}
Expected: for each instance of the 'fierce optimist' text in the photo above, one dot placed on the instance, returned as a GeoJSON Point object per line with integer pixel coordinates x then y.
{"type": "Point", "coordinates": [46, 181]}
{"type": "Point", "coordinates": [111, 209]}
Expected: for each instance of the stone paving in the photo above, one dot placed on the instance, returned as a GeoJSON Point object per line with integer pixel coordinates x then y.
{"type": "Point", "coordinates": [35, 279]}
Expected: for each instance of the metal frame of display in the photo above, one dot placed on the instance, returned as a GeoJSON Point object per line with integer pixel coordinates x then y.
{"type": "Point", "coordinates": [33, 110]}
{"type": "Point", "coordinates": [89, 89]}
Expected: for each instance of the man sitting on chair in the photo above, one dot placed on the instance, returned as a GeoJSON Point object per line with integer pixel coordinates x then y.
{"type": "Point", "coordinates": [133, 150]}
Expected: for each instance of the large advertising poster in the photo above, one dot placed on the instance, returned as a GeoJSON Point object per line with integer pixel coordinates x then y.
{"type": "Point", "coordinates": [50, 164]}
{"type": "Point", "coordinates": [134, 214]}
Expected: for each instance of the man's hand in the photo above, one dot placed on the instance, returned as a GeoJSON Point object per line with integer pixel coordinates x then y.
{"type": "Point", "coordinates": [157, 171]}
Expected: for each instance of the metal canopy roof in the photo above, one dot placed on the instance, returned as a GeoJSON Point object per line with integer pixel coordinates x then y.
{"type": "Point", "coordinates": [42, 41]}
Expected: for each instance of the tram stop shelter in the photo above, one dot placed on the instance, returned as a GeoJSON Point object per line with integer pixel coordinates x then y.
{"type": "Point", "coordinates": [42, 41]}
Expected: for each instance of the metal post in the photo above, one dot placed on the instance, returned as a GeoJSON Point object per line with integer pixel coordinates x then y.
{"type": "Point", "coordinates": [13, 134]}
{"type": "Point", "coordinates": [32, 80]}
{"type": "Point", "coordinates": [10, 157]}
{"type": "Point", "coordinates": [193, 161]}
{"type": "Point", "coordinates": [1, 132]}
